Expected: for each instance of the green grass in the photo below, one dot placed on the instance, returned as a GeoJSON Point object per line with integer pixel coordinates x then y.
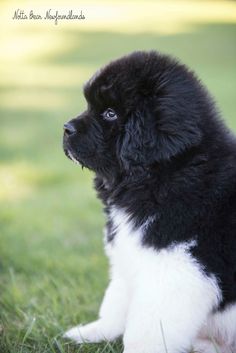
{"type": "Point", "coordinates": [53, 272]}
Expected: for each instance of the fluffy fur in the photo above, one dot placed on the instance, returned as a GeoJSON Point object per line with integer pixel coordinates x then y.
{"type": "Point", "coordinates": [165, 171]}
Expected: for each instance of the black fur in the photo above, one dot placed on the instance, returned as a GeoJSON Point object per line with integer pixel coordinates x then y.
{"type": "Point", "coordinates": [166, 156]}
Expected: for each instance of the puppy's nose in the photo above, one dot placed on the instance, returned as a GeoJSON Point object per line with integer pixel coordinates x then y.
{"type": "Point", "coordinates": [69, 129]}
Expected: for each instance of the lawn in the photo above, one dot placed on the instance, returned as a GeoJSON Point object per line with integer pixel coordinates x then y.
{"type": "Point", "coordinates": [53, 272]}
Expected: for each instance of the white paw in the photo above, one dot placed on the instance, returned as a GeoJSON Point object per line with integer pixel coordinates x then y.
{"type": "Point", "coordinates": [90, 333]}
{"type": "Point", "coordinates": [74, 334]}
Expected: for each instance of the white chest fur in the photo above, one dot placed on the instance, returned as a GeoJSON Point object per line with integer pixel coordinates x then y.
{"type": "Point", "coordinates": [130, 259]}
{"type": "Point", "coordinates": [124, 251]}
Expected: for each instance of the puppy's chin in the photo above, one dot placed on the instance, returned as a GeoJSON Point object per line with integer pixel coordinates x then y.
{"type": "Point", "coordinates": [72, 157]}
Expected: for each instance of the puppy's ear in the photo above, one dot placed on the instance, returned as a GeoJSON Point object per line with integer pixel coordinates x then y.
{"type": "Point", "coordinates": [151, 138]}
{"type": "Point", "coordinates": [176, 132]}
{"type": "Point", "coordinates": [135, 148]}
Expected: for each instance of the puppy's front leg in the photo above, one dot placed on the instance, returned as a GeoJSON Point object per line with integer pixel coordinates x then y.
{"type": "Point", "coordinates": [112, 316]}
{"type": "Point", "coordinates": [171, 300]}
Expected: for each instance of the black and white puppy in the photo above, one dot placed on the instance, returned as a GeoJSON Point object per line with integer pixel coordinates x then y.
{"type": "Point", "coordinates": [165, 169]}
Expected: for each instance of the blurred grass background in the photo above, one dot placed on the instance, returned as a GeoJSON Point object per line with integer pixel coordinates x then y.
{"type": "Point", "coordinates": [52, 269]}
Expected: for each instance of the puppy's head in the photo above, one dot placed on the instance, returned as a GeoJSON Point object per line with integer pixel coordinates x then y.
{"type": "Point", "coordinates": [141, 109]}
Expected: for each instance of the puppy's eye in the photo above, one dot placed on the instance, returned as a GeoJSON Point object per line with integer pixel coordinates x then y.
{"type": "Point", "coordinates": [109, 114]}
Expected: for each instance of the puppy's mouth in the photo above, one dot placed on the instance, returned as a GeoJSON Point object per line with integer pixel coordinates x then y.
{"type": "Point", "coordinates": [70, 155]}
